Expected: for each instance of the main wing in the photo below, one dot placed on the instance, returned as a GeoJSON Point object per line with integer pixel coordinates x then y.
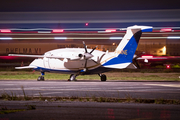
{"type": "Point", "coordinates": [35, 56]}
{"type": "Point", "coordinates": [20, 55]}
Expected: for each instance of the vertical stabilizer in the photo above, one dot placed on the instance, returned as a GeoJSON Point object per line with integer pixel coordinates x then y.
{"type": "Point", "coordinates": [126, 49]}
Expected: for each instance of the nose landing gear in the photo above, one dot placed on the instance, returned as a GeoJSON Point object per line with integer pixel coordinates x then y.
{"type": "Point", "coordinates": [41, 78]}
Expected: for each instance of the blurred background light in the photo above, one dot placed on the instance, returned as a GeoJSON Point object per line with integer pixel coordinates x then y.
{"type": "Point", "coordinates": [5, 31]}
{"type": "Point", "coordinates": [173, 37]}
{"type": "Point", "coordinates": [58, 31]}
{"type": "Point", "coordinates": [115, 38]}
{"type": "Point", "coordinates": [5, 38]}
{"type": "Point", "coordinates": [60, 38]}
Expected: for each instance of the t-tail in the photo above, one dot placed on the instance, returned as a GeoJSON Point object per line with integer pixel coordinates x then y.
{"type": "Point", "coordinates": [123, 55]}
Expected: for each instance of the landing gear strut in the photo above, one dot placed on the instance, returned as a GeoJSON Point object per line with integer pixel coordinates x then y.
{"type": "Point", "coordinates": [41, 78]}
{"type": "Point", "coordinates": [72, 77]}
{"type": "Point", "coordinates": [103, 77]}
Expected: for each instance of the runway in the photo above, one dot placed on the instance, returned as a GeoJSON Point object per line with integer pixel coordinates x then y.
{"type": "Point", "coordinates": [85, 88]}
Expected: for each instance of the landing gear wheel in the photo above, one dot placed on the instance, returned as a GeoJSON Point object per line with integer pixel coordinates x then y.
{"type": "Point", "coordinates": [40, 78]}
{"type": "Point", "coordinates": [103, 77]}
{"type": "Point", "coordinates": [72, 77]}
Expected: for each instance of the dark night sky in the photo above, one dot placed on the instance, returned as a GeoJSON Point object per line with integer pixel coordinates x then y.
{"type": "Point", "coordinates": [86, 5]}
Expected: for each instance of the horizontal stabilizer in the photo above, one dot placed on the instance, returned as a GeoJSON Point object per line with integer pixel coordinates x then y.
{"type": "Point", "coordinates": [118, 66]}
{"type": "Point", "coordinates": [25, 67]}
{"type": "Point", "coordinates": [131, 66]}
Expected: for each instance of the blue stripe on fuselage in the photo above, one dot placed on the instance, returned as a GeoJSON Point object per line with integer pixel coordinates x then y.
{"type": "Point", "coordinates": [54, 70]}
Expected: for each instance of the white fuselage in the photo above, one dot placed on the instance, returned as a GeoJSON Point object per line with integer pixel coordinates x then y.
{"type": "Point", "coordinates": [73, 64]}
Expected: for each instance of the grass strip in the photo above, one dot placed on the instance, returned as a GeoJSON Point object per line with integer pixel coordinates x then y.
{"type": "Point", "coordinates": [127, 99]}
{"type": "Point", "coordinates": [24, 75]}
{"type": "Point", "coordinates": [10, 111]}
{"type": "Point", "coordinates": [96, 99]}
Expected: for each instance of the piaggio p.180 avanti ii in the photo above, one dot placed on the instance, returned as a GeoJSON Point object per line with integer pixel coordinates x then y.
{"type": "Point", "coordinates": [83, 61]}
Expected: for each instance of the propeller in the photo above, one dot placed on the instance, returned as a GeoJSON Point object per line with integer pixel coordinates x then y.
{"type": "Point", "coordinates": [87, 55]}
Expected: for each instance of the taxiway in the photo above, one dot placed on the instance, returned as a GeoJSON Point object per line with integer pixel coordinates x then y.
{"type": "Point", "coordinates": [120, 89]}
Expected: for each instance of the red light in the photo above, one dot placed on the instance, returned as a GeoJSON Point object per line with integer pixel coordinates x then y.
{"type": "Point", "coordinates": [58, 30]}
{"type": "Point", "coordinates": [167, 66]}
{"type": "Point", "coordinates": [147, 57]}
{"type": "Point", "coordinates": [110, 30]}
{"type": "Point", "coordinates": [8, 57]}
{"type": "Point", "coordinates": [5, 31]}
{"type": "Point", "coordinates": [87, 24]}
{"type": "Point", "coordinates": [166, 30]}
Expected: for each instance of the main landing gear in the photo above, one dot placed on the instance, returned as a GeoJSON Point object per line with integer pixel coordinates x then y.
{"type": "Point", "coordinates": [41, 78]}
{"type": "Point", "coordinates": [72, 77]}
{"type": "Point", "coordinates": [103, 77]}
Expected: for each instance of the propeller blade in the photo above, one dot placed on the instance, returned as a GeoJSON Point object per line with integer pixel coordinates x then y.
{"type": "Point", "coordinates": [93, 49]}
{"type": "Point", "coordinates": [94, 61]}
{"type": "Point", "coordinates": [85, 47]}
{"type": "Point", "coordinates": [85, 65]}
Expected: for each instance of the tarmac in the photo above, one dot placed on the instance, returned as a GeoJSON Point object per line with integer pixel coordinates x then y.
{"type": "Point", "coordinates": [76, 110]}
{"type": "Point", "coordinates": [88, 111]}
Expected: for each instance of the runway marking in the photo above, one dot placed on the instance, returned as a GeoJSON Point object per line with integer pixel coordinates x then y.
{"type": "Point", "coordinates": [47, 93]}
{"type": "Point", "coordinates": [165, 85]}
{"type": "Point", "coordinates": [87, 90]}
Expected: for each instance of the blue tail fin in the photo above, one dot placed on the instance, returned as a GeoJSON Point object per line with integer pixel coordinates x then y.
{"type": "Point", "coordinates": [126, 49]}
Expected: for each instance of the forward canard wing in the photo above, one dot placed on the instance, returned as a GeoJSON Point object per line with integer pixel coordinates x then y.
{"type": "Point", "coordinates": [26, 67]}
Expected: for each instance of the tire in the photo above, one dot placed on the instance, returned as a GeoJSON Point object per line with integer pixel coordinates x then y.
{"type": "Point", "coordinates": [103, 77]}
{"type": "Point", "coordinates": [72, 77]}
{"type": "Point", "coordinates": [40, 78]}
